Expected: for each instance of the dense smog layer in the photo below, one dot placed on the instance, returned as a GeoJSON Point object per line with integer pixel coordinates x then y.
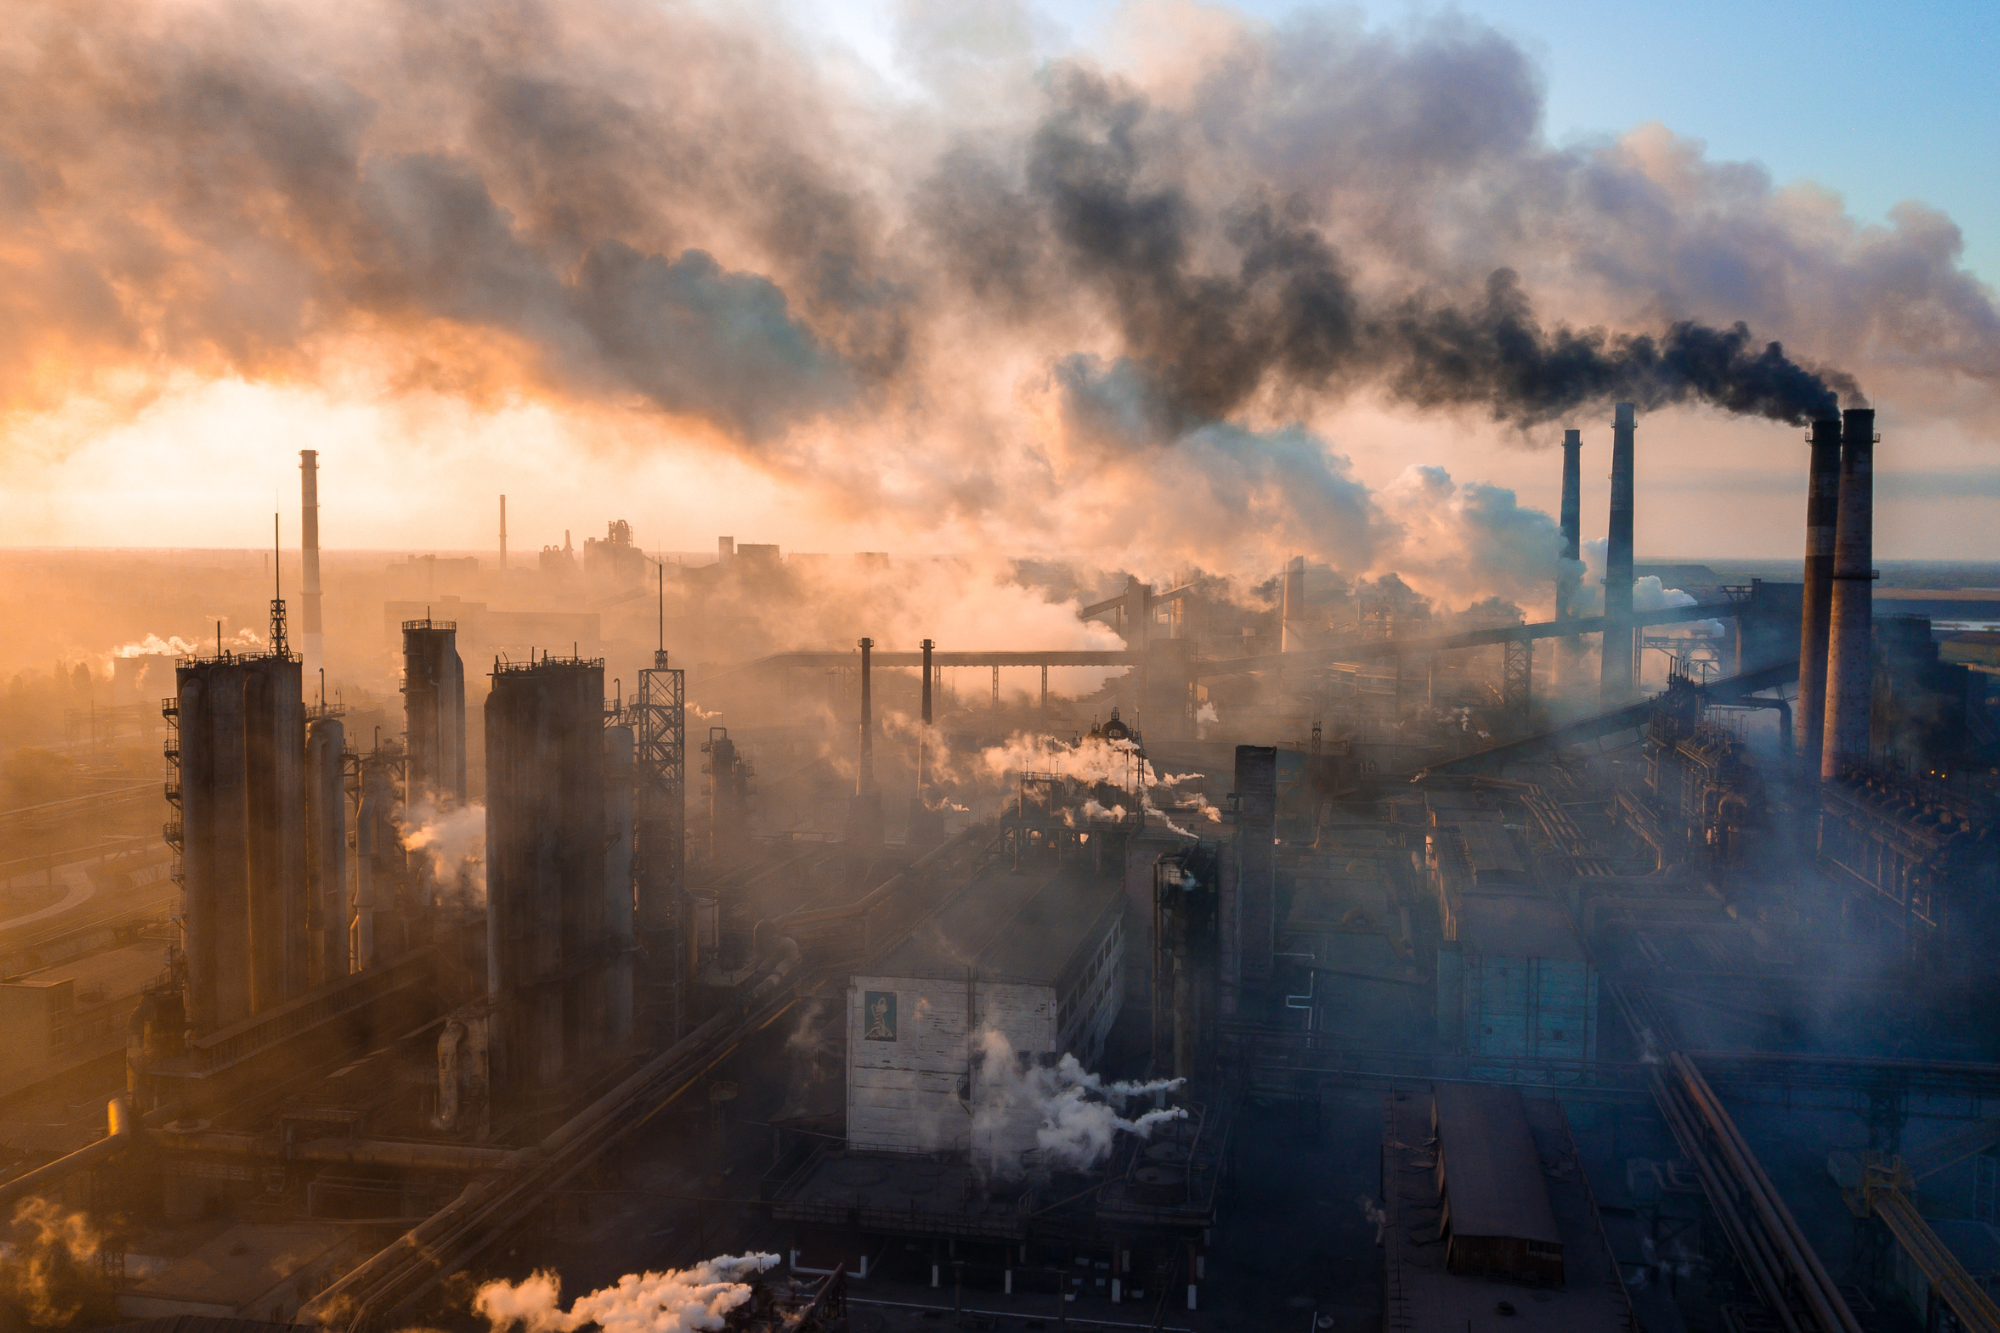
{"type": "Point", "coordinates": [1022, 795]}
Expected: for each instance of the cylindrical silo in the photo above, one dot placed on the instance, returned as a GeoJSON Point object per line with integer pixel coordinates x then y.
{"type": "Point", "coordinates": [326, 848]}
{"type": "Point", "coordinates": [545, 875]}
{"type": "Point", "coordinates": [434, 713]}
{"type": "Point", "coordinates": [215, 867]}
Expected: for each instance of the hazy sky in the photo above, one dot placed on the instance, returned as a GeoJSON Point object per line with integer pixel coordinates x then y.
{"type": "Point", "coordinates": [1876, 104]}
{"type": "Point", "coordinates": [1881, 102]}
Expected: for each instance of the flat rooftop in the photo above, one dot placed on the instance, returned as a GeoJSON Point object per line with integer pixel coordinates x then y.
{"type": "Point", "coordinates": [1018, 928]}
{"type": "Point", "coordinates": [1492, 1173]}
{"type": "Point", "coordinates": [1516, 926]}
{"type": "Point", "coordinates": [1424, 1298]}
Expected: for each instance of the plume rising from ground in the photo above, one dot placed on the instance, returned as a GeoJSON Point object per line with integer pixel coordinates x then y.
{"type": "Point", "coordinates": [49, 1277]}
{"type": "Point", "coordinates": [676, 1301]}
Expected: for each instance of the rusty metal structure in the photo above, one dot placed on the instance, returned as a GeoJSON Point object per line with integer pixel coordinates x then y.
{"type": "Point", "coordinates": [1705, 786]}
{"type": "Point", "coordinates": [1922, 858]}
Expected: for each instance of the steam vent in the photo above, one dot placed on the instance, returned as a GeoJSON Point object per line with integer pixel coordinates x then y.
{"type": "Point", "coordinates": [873, 708]}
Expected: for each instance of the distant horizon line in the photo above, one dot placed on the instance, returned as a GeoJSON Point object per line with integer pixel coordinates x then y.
{"type": "Point", "coordinates": [710, 557]}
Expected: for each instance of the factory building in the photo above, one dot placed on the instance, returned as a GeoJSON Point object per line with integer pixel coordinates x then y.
{"type": "Point", "coordinates": [558, 862]}
{"type": "Point", "coordinates": [1102, 1028]}
{"type": "Point", "coordinates": [1488, 1219]}
{"type": "Point", "coordinates": [1040, 966]}
{"type": "Point", "coordinates": [1513, 981]}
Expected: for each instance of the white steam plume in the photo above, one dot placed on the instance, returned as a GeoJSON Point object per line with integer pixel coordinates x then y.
{"type": "Point", "coordinates": [453, 845]}
{"type": "Point", "coordinates": [676, 1301]}
{"type": "Point", "coordinates": [1071, 1112]}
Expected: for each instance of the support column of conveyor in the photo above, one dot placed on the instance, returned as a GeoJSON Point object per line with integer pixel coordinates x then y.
{"type": "Point", "coordinates": [1766, 1239]}
{"type": "Point", "coordinates": [1761, 1229]}
{"type": "Point", "coordinates": [1947, 1276]}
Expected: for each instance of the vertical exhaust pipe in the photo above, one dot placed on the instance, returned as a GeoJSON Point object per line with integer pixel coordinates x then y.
{"type": "Point", "coordinates": [1568, 577]}
{"type": "Point", "coordinates": [1292, 622]}
{"type": "Point", "coordinates": [1850, 634]}
{"type": "Point", "coordinates": [1822, 517]}
{"type": "Point", "coordinates": [924, 735]}
{"type": "Point", "coordinates": [1572, 523]}
{"type": "Point", "coordinates": [503, 532]}
{"type": "Point", "coordinates": [864, 778]}
{"type": "Point", "coordinates": [312, 638]}
{"type": "Point", "coordinates": [1615, 685]}
{"type": "Point", "coordinates": [864, 812]}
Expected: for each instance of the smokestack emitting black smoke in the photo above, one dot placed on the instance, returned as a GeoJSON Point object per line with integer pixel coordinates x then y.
{"type": "Point", "coordinates": [1291, 318]}
{"type": "Point", "coordinates": [1822, 517]}
{"type": "Point", "coordinates": [1569, 574]}
{"type": "Point", "coordinates": [1850, 670]}
{"type": "Point", "coordinates": [1572, 523]}
{"type": "Point", "coordinates": [1617, 659]}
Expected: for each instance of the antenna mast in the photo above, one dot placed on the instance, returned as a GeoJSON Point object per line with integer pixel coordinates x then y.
{"type": "Point", "coordinates": [278, 644]}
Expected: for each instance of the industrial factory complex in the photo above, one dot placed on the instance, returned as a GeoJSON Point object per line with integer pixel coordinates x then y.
{"type": "Point", "coordinates": [1335, 962]}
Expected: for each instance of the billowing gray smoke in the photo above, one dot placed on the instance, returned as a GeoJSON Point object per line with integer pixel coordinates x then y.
{"type": "Point", "coordinates": [627, 207]}
{"type": "Point", "coordinates": [1281, 310]}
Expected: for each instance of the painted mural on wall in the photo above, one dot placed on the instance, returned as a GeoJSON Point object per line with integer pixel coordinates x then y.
{"type": "Point", "coordinates": [881, 1011]}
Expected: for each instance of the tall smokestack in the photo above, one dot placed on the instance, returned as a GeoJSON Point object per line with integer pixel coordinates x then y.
{"type": "Point", "coordinates": [924, 735]}
{"type": "Point", "coordinates": [1850, 634]}
{"type": "Point", "coordinates": [1292, 624]}
{"type": "Point", "coordinates": [1615, 685]}
{"type": "Point", "coordinates": [1572, 523]}
{"type": "Point", "coordinates": [864, 812]}
{"type": "Point", "coordinates": [311, 639]}
{"type": "Point", "coordinates": [503, 532]}
{"type": "Point", "coordinates": [1568, 577]}
{"type": "Point", "coordinates": [1822, 517]}
{"type": "Point", "coordinates": [864, 777]}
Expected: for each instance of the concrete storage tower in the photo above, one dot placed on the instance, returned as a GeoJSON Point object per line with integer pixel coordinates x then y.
{"type": "Point", "coordinates": [553, 935]}
{"type": "Point", "coordinates": [434, 712]}
{"type": "Point", "coordinates": [239, 756]}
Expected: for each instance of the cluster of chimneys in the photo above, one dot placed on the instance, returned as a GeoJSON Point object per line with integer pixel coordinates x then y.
{"type": "Point", "coordinates": [1836, 672]}
{"type": "Point", "coordinates": [1616, 677]}
{"type": "Point", "coordinates": [1835, 644]}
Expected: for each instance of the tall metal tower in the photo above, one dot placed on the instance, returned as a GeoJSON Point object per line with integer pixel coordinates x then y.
{"type": "Point", "coordinates": [659, 809]}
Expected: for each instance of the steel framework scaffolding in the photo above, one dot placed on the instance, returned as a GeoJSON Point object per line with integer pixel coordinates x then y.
{"type": "Point", "coordinates": [659, 851]}
{"type": "Point", "coordinates": [1517, 676]}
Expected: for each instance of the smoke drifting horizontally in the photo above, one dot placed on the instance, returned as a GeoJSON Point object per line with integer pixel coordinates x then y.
{"type": "Point", "coordinates": [1073, 1114]}
{"type": "Point", "coordinates": [676, 1301]}
{"type": "Point", "coordinates": [1035, 304]}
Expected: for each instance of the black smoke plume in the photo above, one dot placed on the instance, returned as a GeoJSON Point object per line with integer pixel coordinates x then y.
{"type": "Point", "coordinates": [1287, 317]}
